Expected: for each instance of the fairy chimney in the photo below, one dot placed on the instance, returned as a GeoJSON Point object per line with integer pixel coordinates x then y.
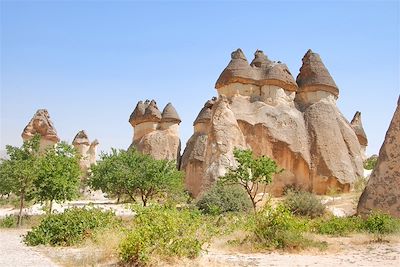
{"type": "Point", "coordinates": [357, 126]}
{"type": "Point", "coordinates": [87, 150]}
{"type": "Point", "coordinates": [42, 125]}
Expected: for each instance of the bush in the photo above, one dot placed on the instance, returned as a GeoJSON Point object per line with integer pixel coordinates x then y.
{"type": "Point", "coordinates": [278, 228]}
{"type": "Point", "coordinates": [370, 163]}
{"type": "Point", "coordinates": [304, 204]}
{"type": "Point", "coordinates": [381, 224]}
{"type": "Point", "coordinates": [337, 226]}
{"type": "Point", "coordinates": [161, 233]}
{"type": "Point", "coordinates": [224, 198]}
{"type": "Point", "coordinates": [70, 227]}
{"type": "Point", "coordinates": [9, 221]}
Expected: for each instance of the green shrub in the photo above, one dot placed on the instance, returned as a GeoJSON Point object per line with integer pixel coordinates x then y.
{"type": "Point", "coordinates": [337, 226]}
{"type": "Point", "coordinates": [224, 198]}
{"type": "Point", "coordinates": [381, 224]}
{"type": "Point", "coordinates": [9, 221]}
{"type": "Point", "coordinates": [304, 203]}
{"type": "Point", "coordinates": [159, 233]}
{"type": "Point", "coordinates": [278, 228]}
{"type": "Point", "coordinates": [70, 227]}
{"type": "Point", "coordinates": [370, 163]}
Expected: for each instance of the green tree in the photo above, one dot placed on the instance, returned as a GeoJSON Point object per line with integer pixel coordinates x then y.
{"type": "Point", "coordinates": [251, 173]}
{"type": "Point", "coordinates": [18, 172]}
{"type": "Point", "coordinates": [58, 175]}
{"type": "Point", "coordinates": [129, 173]}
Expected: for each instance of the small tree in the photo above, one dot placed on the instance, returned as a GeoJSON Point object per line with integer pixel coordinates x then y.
{"type": "Point", "coordinates": [19, 171]}
{"type": "Point", "coordinates": [130, 173]}
{"type": "Point", "coordinates": [58, 175]}
{"type": "Point", "coordinates": [251, 173]}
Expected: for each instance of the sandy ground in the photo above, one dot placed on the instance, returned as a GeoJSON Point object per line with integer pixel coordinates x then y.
{"type": "Point", "coordinates": [14, 253]}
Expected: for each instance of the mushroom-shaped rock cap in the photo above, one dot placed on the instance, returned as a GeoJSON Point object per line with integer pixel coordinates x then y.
{"type": "Point", "coordinates": [94, 143]}
{"type": "Point", "coordinates": [238, 70]}
{"type": "Point", "coordinates": [357, 126]}
{"type": "Point", "coordinates": [169, 114]}
{"type": "Point", "coordinates": [41, 124]}
{"type": "Point", "coordinates": [314, 76]}
{"type": "Point", "coordinates": [206, 112]}
{"type": "Point", "coordinates": [261, 71]}
{"type": "Point", "coordinates": [138, 113]}
{"type": "Point", "coordinates": [152, 113]}
{"type": "Point", "coordinates": [81, 138]}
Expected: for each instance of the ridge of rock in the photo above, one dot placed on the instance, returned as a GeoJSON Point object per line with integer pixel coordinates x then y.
{"type": "Point", "coordinates": [357, 126]}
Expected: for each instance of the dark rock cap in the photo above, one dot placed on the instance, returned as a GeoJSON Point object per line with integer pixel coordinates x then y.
{"type": "Point", "coordinates": [152, 113]}
{"type": "Point", "coordinates": [206, 112]}
{"type": "Point", "coordinates": [261, 71]}
{"type": "Point", "coordinates": [314, 76]}
{"type": "Point", "coordinates": [41, 124]}
{"type": "Point", "coordinates": [169, 114]}
{"type": "Point", "coordinates": [137, 114]}
{"type": "Point", "coordinates": [81, 138]}
{"type": "Point", "coordinates": [357, 126]}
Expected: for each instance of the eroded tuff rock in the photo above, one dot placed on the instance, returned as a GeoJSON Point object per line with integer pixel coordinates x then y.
{"type": "Point", "coordinates": [41, 124]}
{"type": "Point", "coordinates": [260, 107]}
{"type": "Point", "coordinates": [87, 150]}
{"type": "Point", "coordinates": [383, 188]}
{"type": "Point", "coordinates": [156, 133]}
{"type": "Point", "coordinates": [358, 128]}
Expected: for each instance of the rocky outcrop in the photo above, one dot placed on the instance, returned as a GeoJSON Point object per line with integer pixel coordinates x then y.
{"type": "Point", "coordinates": [156, 133]}
{"type": "Point", "coordinates": [260, 106]}
{"type": "Point", "coordinates": [87, 150]}
{"type": "Point", "coordinates": [42, 125]}
{"type": "Point", "coordinates": [358, 128]}
{"type": "Point", "coordinates": [383, 188]}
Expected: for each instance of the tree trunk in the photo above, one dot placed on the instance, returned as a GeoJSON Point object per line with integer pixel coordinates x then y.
{"type": "Point", "coordinates": [50, 206]}
{"type": "Point", "coordinates": [21, 206]}
{"type": "Point", "coordinates": [144, 199]}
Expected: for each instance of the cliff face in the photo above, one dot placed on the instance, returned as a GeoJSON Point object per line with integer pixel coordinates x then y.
{"type": "Point", "coordinates": [260, 106]}
{"type": "Point", "coordinates": [156, 133]}
{"type": "Point", "coordinates": [383, 189]}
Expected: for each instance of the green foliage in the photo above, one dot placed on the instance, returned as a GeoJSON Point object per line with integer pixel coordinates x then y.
{"type": "Point", "coordinates": [71, 227]}
{"type": "Point", "coordinates": [278, 228]}
{"type": "Point", "coordinates": [370, 162]}
{"type": "Point", "coordinates": [130, 173]}
{"type": "Point", "coordinates": [359, 184]}
{"type": "Point", "coordinates": [251, 173]}
{"type": "Point", "coordinates": [58, 175]}
{"type": "Point", "coordinates": [337, 226]}
{"type": "Point", "coordinates": [159, 233]}
{"type": "Point", "coordinates": [9, 221]}
{"type": "Point", "coordinates": [381, 224]}
{"type": "Point", "coordinates": [19, 171]}
{"type": "Point", "coordinates": [304, 203]}
{"type": "Point", "coordinates": [224, 198]}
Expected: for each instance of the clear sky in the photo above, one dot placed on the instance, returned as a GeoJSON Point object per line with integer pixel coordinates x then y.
{"type": "Point", "coordinates": [89, 62]}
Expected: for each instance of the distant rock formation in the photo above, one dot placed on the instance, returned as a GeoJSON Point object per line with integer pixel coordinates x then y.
{"type": "Point", "coordinates": [261, 107]}
{"type": "Point", "coordinates": [87, 150]}
{"type": "Point", "coordinates": [383, 188]}
{"type": "Point", "coordinates": [357, 126]}
{"type": "Point", "coordinates": [41, 124]}
{"type": "Point", "coordinates": [156, 133]}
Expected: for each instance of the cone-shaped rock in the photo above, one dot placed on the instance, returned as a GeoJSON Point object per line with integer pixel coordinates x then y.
{"type": "Point", "coordinates": [314, 76]}
{"type": "Point", "coordinates": [260, 60]}
{"type": "Point", "coordinates": [81, 138]}
{"type": "Point", "coordinates": [152, 113]}
{"type": "Point", "coordinates": [383, 188]}
{"type": "Point", "coordinates": [41, 124]}
{"type": "Point", "coordinates": [238, 70]}
{"type": "Point", "coordinates": [205, 113]}
{"type": "Point", "coordinates": [169, 114]}
{"type": "Point", "coordinates": [137, 114]}
{"type": "Point", "coordinates": [357, 126]}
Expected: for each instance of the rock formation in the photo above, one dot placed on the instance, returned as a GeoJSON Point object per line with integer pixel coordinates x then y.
{"type": "Point", "coordinates": [261, 107]}
{"type": "Point", "coordinates": [87, 150]}
{"type": "Point", "coordinates": [156, 133]}
{"type": "Point", "coordinates": [357, 126]}
{"type": "Point", "coordinates": [42, 125]}
{"type": "Point", "coordinates": [383, 188]}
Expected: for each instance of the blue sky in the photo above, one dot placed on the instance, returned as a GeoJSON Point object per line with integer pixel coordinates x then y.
{"type": "Point", "coordinates": [89, 62]}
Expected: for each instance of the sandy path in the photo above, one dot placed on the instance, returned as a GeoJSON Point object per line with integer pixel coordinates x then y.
{"type": "Point", "coordinates": [14, 253]}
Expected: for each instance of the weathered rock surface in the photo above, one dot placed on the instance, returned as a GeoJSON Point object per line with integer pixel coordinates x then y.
{"type": "Point", "coordinates": [260, 107]}
{"type": "Point", "coordinates": [156, 133]}
{"type": "Point", "coordinates": [87, 150]}
{"type": "Point", "coordinates": [358, 128]}
{"type": "Point", "coordinates": [383, 188]}
{"type": "Point", "coordinates": [41, 124]}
